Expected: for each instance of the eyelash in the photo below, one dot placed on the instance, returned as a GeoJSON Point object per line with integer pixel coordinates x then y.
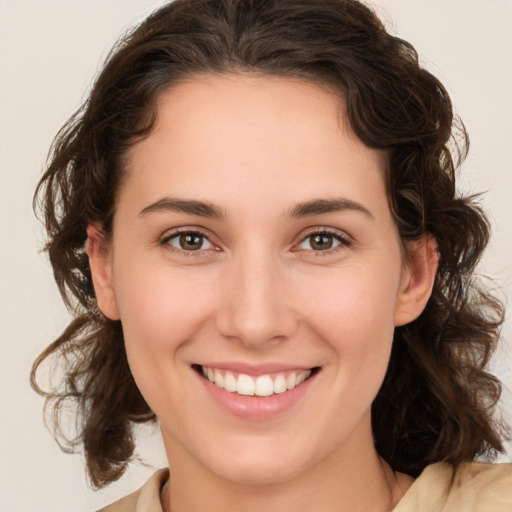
{"type": "Point", "coordinates": [176, 234]}
{"type": "Point", "coordinates": [343, 240]}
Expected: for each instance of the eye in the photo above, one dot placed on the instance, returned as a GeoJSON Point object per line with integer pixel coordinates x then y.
{"type": "Point", "coordinates": [322, 241]}
{"type": "Point", "coordinates": [189, 241]}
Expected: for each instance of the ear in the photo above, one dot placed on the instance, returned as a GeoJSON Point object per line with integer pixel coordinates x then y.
{"type": "Point", "coordinates": [418, 274]}
{"type": "Point", "coordinates": [100, 262]}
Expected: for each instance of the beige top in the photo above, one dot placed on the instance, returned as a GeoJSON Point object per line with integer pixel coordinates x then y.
{"type": "Point", "coordinates": [478, 487]}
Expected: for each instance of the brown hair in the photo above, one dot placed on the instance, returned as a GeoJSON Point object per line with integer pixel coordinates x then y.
{"type": "Point", "coordinates": [437, 400]}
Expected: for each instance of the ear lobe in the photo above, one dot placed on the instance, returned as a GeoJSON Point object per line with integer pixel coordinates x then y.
{"type": "Point", "coordinates": [418, 277]}
{"type": "Point", "coordinates": [101, 271]}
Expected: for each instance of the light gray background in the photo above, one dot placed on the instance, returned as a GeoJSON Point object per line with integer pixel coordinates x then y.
{"type": "Point", "coordinates": [49, 52]}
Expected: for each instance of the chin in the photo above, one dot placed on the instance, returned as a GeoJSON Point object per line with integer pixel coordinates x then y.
{"type": "Point", "coordinates": [255, 463]}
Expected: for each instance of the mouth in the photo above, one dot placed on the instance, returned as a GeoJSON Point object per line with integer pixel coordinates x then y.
{"type": "Point", "coordinates": [264, 385]}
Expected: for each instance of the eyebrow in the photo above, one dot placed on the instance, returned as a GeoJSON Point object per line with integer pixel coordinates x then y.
{"type": "Point", "coordinates": [206, 209]}
{"type": "Point", "coordinates": [319, 206]}
{"type": "Point", "coordinates": [200, 208]}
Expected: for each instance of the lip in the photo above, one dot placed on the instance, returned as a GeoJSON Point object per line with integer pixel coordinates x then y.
{"type": "Point", "coordinates": [256, 408]}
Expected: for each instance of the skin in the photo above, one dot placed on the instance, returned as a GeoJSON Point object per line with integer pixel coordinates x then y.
{"type": "Point", "coordinates": [258, 291]}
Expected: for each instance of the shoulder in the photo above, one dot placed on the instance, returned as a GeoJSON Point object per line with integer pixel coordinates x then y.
{"type": "Point", "coordinates": [473, 487]}
{"type": "Point", "coordinates": [146, 499]}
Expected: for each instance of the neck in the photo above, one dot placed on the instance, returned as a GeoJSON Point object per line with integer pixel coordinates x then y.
{"type": "Point", "coordinates": [355, 480]}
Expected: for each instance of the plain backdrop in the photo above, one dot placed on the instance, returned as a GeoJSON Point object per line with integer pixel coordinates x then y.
{"type": "Point", "coordinates": [49, 52]}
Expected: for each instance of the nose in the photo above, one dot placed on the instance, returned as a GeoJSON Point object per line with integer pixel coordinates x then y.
{"type": "Point", "coordinates": [255, 307]}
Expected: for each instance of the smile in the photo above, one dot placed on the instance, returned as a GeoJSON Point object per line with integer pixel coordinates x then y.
{"type": "Point", "coordinates": [262, 385]}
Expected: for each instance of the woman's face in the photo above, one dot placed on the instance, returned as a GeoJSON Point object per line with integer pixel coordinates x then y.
{"type": "Point", "coordinates": [253, 240]}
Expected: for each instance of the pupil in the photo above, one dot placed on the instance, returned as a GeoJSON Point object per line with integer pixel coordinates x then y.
{"type": "Point", "coordinates": [191, 241]}
{"type": "Point", "coordinates": [321, 242]}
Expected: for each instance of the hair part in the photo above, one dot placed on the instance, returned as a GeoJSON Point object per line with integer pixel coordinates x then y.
{"type": "Point", "coordinates": [437, 399]}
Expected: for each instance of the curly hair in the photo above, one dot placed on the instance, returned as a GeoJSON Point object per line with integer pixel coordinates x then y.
{"type": "Point", "coordinates": [437, 401]}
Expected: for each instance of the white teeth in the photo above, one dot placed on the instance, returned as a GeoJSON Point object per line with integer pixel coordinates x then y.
{"type": "Point", "coordinates": [291, 381]}
{"type": "Point", "coordinates": [302, 377]}
{"type": "Point", "coordinates": [219, 378]}
{"type": "Point", "coordinates": [280, 384]}
{"type": "Point", "coordinates": [245, 385]}
{"type": "Point", "coordinates": [264, 385]}
{"type": "Point", "coordinates": [230, 382]}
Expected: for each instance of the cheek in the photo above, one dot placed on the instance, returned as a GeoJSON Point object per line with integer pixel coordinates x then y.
{"type": "Point", "coordinates": [354, 312]}
{"type": "Point", "coordinates": [161, 313]}
{"type": "Point", "coordinates": [161, 309]}
{"type": "Point", "coordinates": [355, 301]}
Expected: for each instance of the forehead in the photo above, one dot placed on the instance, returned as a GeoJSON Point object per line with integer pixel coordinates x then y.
{"type": "Point", "coordinates": [265, 136]}
{"type": "Point", "coordinates": [272, 110]}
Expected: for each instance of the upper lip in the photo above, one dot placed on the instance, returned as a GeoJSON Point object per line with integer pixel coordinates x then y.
{"type": "Point", "coordinates": [255, 369]}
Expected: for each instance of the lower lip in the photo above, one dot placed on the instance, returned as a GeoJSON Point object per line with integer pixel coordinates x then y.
{"type": "Point", "coordinates": [256, 407]}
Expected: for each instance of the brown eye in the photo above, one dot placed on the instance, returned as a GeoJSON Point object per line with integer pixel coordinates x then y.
{"type": "Point", "coordinates": [319, 242]}
{"type": "Point", "coordinates": [189, 241]}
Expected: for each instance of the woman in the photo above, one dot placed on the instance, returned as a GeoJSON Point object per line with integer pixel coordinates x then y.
{"type": "Point", "coordinates": [255, 217]}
